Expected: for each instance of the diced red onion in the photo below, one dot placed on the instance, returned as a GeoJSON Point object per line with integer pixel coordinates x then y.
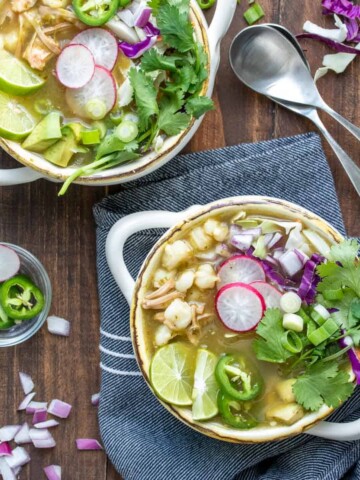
{"type": "Point", "coordinates": [127, 17]}
{"type": "Point", "coordinates": [47, 424]}
{"type": "Point", "coordinates": [95, 399]}
{"type": "Point", "coordinates": [33, 406]}
{"type": "Point", "coordinates": [355, 363]}
{"type": "Point", "coordinates": [341, 7]}
{"type": "Point", "coordinates": [151, 30]}
{"type": "Point", "coordinates": [39, 416]}
{"type": "Point", "coordinates": [5, 449]}
{"type": "Point", "coordinates": [5, 471]}
{"type": "Point", "coordinates": [277, 253]}
{"type": "Point", "coordinates": [241, 241]}
{"type": "Point", "coordinates": [23, 435]}
{"type": "Point", "coordinates": [58, 326]}
{"type": "Point", "coordinates": [26, 382]}
{"type": "Point", "coordinates": [302, 256]}
{"type": "Point", "coordinates": [8, 432]}
{"type": "Point", "coordinates": [26, 401]}
{"type": "Point", "coordinates": [290, 263]}
{"type": "Point", "coordinates": [138, 49]}
{"type": "Point", "coordinates": [339, 47]}
{"type": "Point", "coordinates": [18, 458]}
{"type": "Point", "coordinates": [88, 444]}
{"type": "Point", "coordinates": [53, 472]}
{"type": "Point", "coordinates": [59, 408]}
{"type": "Point", "coordinates": [272, 260]}
{"type": "Point", "coordinates": [275, 239]}
{"type": "Point", "coordinates": [42, 438]}
{"type": "Point", "coordinates": [17, 471]}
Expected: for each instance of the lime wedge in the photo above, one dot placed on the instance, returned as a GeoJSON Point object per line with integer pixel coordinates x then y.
{"type": "Point", "coordinates": [206, 389]}
{"type": "Point", "coordinates": [172, 373]}
{"type": "Point", "coordinates": [15, 121]}
{"type": "Point", "coordinates": [16, 77]}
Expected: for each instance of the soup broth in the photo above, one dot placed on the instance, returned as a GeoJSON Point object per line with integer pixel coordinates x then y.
{"type": "Point", "coordinates": [204, 296]}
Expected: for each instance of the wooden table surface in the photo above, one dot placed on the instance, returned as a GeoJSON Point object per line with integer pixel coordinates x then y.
{"type": "Point", "coordinates": [61, 233]}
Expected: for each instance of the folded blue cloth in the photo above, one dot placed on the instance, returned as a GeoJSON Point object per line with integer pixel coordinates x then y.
{"type": "Point", "coordinates": [142, 439]}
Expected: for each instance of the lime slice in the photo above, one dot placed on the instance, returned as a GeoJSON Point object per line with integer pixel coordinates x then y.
{"type": "Point", "coordinates": [172, 373]}
{"type": "Point", "coordinates": [205, 386]}
{"type": "Point", "coordinates": [17, 78]}
{"type": "Point", "coordinates": [15, 121]}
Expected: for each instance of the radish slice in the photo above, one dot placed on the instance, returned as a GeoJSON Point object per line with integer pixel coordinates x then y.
{"type": "Point", "coordinates": [270, 294]}
{"type": "Point", "coordinates": [239, 306]}
{"type": "Point", "coordinates": [101, 43]}
{"type": "Point", "coordinates": [96, 98]}
{"type": "Point", "coordinates": [75, 66]}
{"type": "Point", "coordinates": [240, 268]}
{"type": "Point", "coordinates": [9, 263]}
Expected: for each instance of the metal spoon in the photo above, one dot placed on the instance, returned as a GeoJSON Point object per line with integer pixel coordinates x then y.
{"type": "Point", "coordinates": [266, 61]}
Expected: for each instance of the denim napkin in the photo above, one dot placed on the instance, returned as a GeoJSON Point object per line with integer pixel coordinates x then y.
{"type": "Point", "coordinates": [143, 440]}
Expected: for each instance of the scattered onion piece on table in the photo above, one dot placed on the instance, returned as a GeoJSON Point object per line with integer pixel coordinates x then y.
{"type": "Point", "coordinates": [42, 438]}
{"type": "Point", "coordinates": [53, 472]}
{"type": "Point", "coordinates": [5, 449]}
{"type": "Point", "coordinates": [26, 401]}
{"type": "Point", "coordinates": [88, 444]}
{"type": "Point", "coordinates": [58, 326]}
{"type": "Point", "coordinates": [47, 424]}
{"type": "Point", "coordinates": [23, 435]}
{"type": "Point", "coordinates": [26, 382]}
{"type": "Point", "coordinates": [8, 432]}
{"type": "Point", "coordinates": [6, 472]}
{"type": "Point", "coordinates": [33, 406]}
{"type": "Point", "coordinates": [18, 458]}
{"type": "Point", "coordinates": [59, 408]}
{"type": "Point", "coordinates": [39, 416]}
{"type": "Point", "coordinates": [95, 399]}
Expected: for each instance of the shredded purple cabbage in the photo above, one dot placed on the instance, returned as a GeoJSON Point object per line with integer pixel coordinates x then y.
{"type": "Point", "coordinates": [355, 363]}
{"type": "Point", "coordinates": [352, 26]}
{"type": "Point", "coordinates": [151, 30]}
{"type": "Point", "coordinates": [310, 279]}
{"type": "Point", "coordinates": [341, 7]}
{"type": "Point", "coordinates": [339, 47]}
{"type": "Point", "coordinates": [137, 49]}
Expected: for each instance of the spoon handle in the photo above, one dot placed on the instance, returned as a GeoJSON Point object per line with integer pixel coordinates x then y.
{"type": "Point", "coordinates": [350, 168]}
{"type": "Point", "coordinates": [345, 123]}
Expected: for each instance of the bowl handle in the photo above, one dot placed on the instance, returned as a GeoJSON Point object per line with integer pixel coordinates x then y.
{"type": "Point", "coordinates": [126, 227]}
{"type": "Point", "coordinates": [345, 432]}
{"type": "Point", "coordinates": [220, 24]}
{"type": "Point", "coordinates": [17, 176]}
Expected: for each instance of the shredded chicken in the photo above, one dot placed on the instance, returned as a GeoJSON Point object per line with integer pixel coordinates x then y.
{"type": "Point", "coordinates": [6, 14]}
{"type": "Point", "coordinates": [48, 42]}
{"type": "Point", "coordinates": [58, 28]}
{"type": "Point", "coordinates": [57, 15]}
{"type": "Point", "coordinates": [156, 302]}
{"type": "Point", "coordinates": [37, 54]}
{"type": "Point", "coordinates": [169, 285]}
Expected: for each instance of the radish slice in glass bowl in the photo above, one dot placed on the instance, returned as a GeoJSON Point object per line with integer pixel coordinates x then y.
{"type": "Point", "coordinates": [75, 66]}
{"type": "Point", "coordinates": [240, 268]}
{"type": "Point", "coordinates": [270, 294]}
{"type": "Point", "coordinates": [9, 263]}
{"type": "Point", "coordinates": [240, 306]}
{"type": "Point", "coordinates": [96, 98]}
{"type": "Point", "coordinates": [101, 43]}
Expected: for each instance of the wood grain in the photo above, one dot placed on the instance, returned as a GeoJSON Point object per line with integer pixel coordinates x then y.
{"type": "Point", "coordinates": [61, 233]}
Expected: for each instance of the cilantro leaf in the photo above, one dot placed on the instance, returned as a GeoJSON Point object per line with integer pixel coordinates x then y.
{"type": "Point", "coordinates": [269, 347]}
{"type": "Point", "coordinates": [111, 144]}
{"type": "Point", "coordinates": [145, 97]}
{"type": "Point", "coordinates": [322, 383]}
{"type": "Point", "coordinates": [173, 123]}
{"type": "Point", "coordinates": [343, 270]}
{"type": "Point", "coordinates": [175, 28]}
{"type": "Point", "coordinates": [197, 106]}
{"type": "Point", "coordinates": [152, 60]}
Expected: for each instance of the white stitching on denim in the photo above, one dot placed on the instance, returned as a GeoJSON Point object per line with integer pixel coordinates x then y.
{"type": "Point", "coordinates": [114, 337]}
{"type": "Point", "coordinates": [119, 372]}
{"type": "Point", "coordinates": [116, 354]}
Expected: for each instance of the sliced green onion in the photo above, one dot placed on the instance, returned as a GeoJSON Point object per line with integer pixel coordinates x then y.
{"type": "Point", "coordinates": [116, 118]}
{"type": "Point", "coordinates": [304, 315]}
{"type": "Point", "coordinates": [127, 131]}
{"type": "Point", "coordinates": [205, 4]}
{"type": "Point", "coordinates": [323, 333]}
{"type": "Point", "coordinates": [337, 294]}
{"type": "Point", "coordinates": [317, 317]}
{"type": "Point", "coordinates": [95, 109]}
{"type": "Point", "coordinates": [90, 137]}
{"type": "Point", "coordinates": [253, 14]}
{"type": "Point", "coordinates": [291, 341]}
{"type": "Point", "coordinates": [101, 126]}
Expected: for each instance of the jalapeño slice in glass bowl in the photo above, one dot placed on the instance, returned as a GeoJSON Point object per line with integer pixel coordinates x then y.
{"type": "Point", "coordinates": [25, 300]}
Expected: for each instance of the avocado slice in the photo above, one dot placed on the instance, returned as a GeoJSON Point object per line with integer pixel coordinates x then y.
{"type": "Point", "coordinates": [46, 133]}
{"type": "Point", "coordinates": [62, 151]}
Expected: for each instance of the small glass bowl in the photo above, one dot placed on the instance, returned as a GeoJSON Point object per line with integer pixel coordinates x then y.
{"type": "Point", "coordinates": [30, 266]}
